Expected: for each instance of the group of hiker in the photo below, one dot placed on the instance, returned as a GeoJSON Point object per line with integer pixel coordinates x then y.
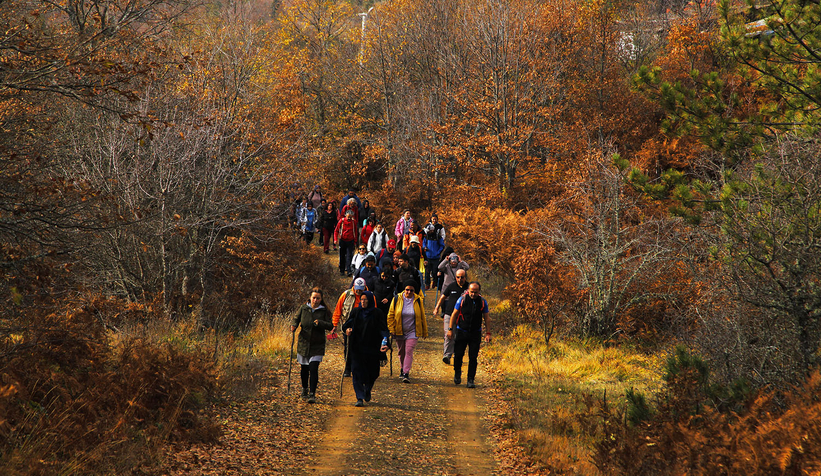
{"type": "Point", "coordinates": [385, 303]}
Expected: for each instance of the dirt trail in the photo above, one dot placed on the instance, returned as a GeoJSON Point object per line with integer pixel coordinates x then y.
{"type": "Point", "coordinates": [427, 427]}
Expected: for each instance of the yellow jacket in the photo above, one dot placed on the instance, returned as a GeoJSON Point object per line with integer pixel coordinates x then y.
{"type": "Point", "coordinates": [395, 316]}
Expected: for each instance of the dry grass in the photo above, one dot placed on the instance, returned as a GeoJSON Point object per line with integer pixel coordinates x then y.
{"type": "Point", "coordinates": [546, 386]}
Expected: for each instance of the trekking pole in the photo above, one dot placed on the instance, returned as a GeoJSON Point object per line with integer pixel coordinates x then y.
{"type": "Point", "coordinates": [390, 344]}
{"type": "Point", "coordinates": [291, 360]}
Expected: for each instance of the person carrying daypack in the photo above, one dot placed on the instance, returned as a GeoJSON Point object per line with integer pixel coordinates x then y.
{"type": "Point", "coordinates": [432, 245]}
{"type": "Point", "coordinates": [466, 330]}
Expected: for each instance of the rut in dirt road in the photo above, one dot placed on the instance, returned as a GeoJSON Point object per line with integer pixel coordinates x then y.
{"type": "Point", "coordinates": [427, 427]}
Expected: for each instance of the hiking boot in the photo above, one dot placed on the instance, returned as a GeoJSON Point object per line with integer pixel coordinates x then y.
{"type": "Point", "coordinates": [359, 403]}
{"type": "Point", "coordinates": [457, 380]}
{"type": "Point", "coordinates": [311, 397]}
{"type": "Point", "coordinates": [304, 392]}
{"type": "Point", "coordinates": [368, 395]}
{"type": "Point", "coordinates": [470, 384]}
{"type": "Point", "coordinates": [326, 251]}
{"type": "Point", "coordinates": [342, 273]}
{"type": "Point", "coordinates": [406, 378]}
{"type": "Point", "coordinates": [446, 360]}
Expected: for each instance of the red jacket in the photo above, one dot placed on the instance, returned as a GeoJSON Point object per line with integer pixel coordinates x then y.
{"type": "Point", "coordinates": [366, 233]}
{"type": "Point", "coordinates": [346, 231]}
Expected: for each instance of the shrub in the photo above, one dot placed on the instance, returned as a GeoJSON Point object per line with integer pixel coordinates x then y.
{"type": "Point", "coordinates": [70, 402]}
{"type": "Point", "coordinates": [700, 428]}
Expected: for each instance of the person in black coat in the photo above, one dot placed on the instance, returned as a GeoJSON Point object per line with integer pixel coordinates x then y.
{"type": "Point", "coordinates": [367, 331]}
{"type": "Point", "coordinates": [384, 289]}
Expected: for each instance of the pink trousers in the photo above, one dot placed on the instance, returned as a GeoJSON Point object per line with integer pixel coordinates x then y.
{"type": "Point", "coordinates": [406, 347]}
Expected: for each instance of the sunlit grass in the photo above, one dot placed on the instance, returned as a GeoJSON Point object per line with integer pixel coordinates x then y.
{"type": "Point", "coordinates": [545, 384]}
{"type": "Point", "coordinates": [241, 359]}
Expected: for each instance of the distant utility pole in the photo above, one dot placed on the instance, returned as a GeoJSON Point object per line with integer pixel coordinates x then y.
{"type": "Point", "coordinates": [364, 17]}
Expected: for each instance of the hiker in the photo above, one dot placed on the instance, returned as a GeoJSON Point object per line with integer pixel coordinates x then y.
{"type": "Point", "coordinates": [407, 323]}
{"type": "Point", "coordinates": [405, 272]}
{"type": "Point", "coordinates": [347, 302]}
{"type": "Point", "coordinates": [345, 234]}
{"type": "Point", "coordinates": [449, 267]}
{"type": "Point", "coordinates": [466, 331]}
{"type": "Point", "coordinates": [309, 220]}
{"type": "Point", "coordinates": [384, 259]}
{"type": "Point", "coordinates": [366, 210]}
{"type": "Point", "coordinates": [448, 298]}
{"type": "Point", "coordinates": [367, 231]}
{"type": "Point", "coordinates": [368, 272]}
{"type": "Point", "coordinates": [378, 240]}
{"type": "Point", "coordinates": [384, 289]}
{"type": "Point", "coordinates": [316, 197]}
{"type": "Point", "coordinates": [432, 245]}
{"type": "Point", "coordinates": [367, 335]}
{"type": "Point", "coordinates": [402, 228]}
{"type": "Point", "coordinates": [314, 320]}
{"type": "Point", "coordinates": [359, 258]}
{"type": "Point", "coordinates": [327, 223]}
{"type": "Point", "coordinates": [351, 206]}
{"type": "Point", "coordinates": [415, 231]}
{"type": "Point", "coordinates": [414, 251]}
{"type": "Point", "coordinates": [351, 194]}
{"type": "Point", "coordinates": [320, 212]}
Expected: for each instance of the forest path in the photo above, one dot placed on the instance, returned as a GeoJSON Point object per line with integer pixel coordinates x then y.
{"type": "Point", "coordinates": [427, 427]}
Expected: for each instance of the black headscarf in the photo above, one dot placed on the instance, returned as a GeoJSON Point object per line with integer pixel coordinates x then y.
{"type": "Point", "coordinates": [368, 310]}
{"type": "Point", "coordinates": [411, 283]}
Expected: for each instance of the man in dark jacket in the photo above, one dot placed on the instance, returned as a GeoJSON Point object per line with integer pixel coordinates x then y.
{"type": "Point", "coordinates": [368, 272]}
{"type": "Point", "coordinates": [466, 330]}
{"type": "Point", "coordinates": [433, 245]}
{"type": "Point", "coordinates": [449, 296]}
{"type": "Point", "coordinates": [404, 273]}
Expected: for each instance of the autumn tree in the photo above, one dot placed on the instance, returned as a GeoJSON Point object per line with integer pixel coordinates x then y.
{"type": "Point", "coordinates": [623, 258]}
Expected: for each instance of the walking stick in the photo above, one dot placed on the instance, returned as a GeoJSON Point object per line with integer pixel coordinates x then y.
{"type": "Point", "coordinates": [390, 344]}
{"type": "Point", "coordinates": [291, 360]}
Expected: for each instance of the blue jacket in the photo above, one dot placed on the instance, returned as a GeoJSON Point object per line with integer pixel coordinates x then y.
{"type": "Point", "coordinates": [433, 247]}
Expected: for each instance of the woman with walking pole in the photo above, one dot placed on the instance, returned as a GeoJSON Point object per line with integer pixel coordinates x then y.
{"type": "Point", "coordinates": [367, 332]}
{"type": "Point", "coordinates": [314, 319]}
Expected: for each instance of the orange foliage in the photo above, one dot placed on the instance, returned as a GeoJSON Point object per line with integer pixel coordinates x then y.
{"type": "Point", "coordinates": [67, 396]}
{"type": "Point", "coordinates": [771, 435]}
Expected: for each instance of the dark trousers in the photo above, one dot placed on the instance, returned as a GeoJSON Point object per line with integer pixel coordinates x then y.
{"type": "Point", "coordinates": [327, 237]}
{"type": "Point", "coordinates": [310, 376]}
{"type": "Point", "coordinates": [346, 353]}
{"type": "Point", "coordinates": [431, 272]}
{"type": "Point", "coordinates": [346, 255]}
{"type": "Point", "coordinates": [308, 236]}
{"type": "Point", "coordinates": [472, 344]}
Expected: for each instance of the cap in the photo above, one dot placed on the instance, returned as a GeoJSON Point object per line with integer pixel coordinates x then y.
{"type": "Point", "coordinates": [414, 239]}
{"type": "Point", "coordinates": [391, 243]}
{"type": "Point", "coordinates": [453, 256]}
{"type": "Point", "coordinates": [359, 284]}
